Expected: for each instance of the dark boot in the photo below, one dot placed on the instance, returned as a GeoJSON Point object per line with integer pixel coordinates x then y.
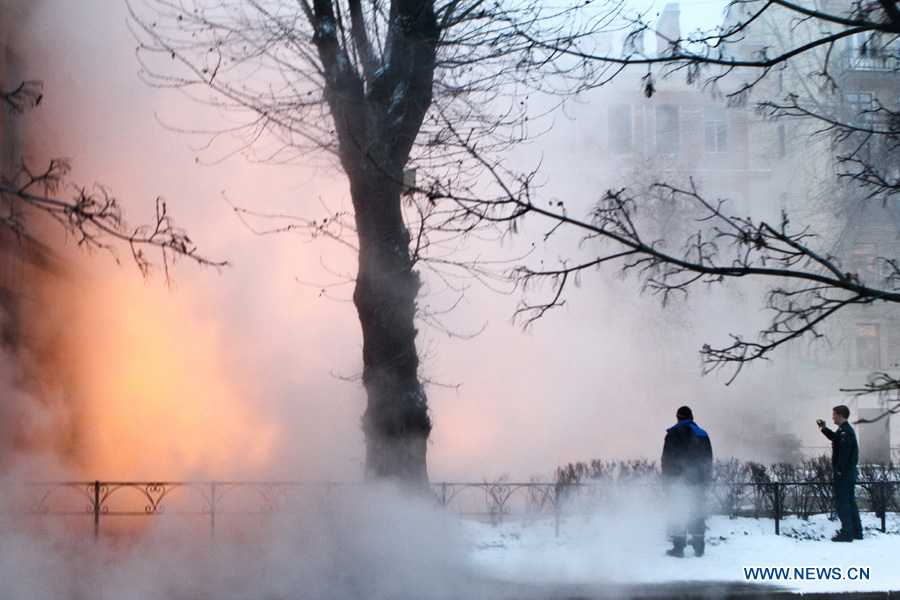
{"type": "Point", "coordinates": [678, 544]}
{"type": "Point", "coordinates": [857, 524]}
{"type": "Point", "coordinates": [698, 544]}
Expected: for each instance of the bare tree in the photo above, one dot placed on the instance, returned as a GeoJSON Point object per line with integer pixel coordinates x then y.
{"type": "Point", "coordinates": [387, 89]}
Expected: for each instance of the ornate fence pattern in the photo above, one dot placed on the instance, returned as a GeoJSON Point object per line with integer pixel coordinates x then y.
{"type": "Point", "coordinates": [489, 502]}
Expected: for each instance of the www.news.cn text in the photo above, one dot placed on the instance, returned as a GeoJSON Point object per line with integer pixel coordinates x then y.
{"type": "Point", "coordinates": [806, 573]}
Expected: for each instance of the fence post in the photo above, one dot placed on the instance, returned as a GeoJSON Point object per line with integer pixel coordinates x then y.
{"type": "Point", "coordinates": [96, 510]}
{"type": "Point", "coordinates": [883, 499]}
{"type": "Point", "coordinates": [777, 507]}
{"type": "Point", "coordinates": [556, 508]}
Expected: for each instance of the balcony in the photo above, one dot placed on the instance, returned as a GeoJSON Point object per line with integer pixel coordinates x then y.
{"type": "Point", "coordinates": [884, 60]}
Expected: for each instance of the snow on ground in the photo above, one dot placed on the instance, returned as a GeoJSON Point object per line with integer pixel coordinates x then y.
{"type": "Point", "coordinates": [612, 550]}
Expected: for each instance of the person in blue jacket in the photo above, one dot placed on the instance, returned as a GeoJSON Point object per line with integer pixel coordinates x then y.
{"type": "Point", "coordinates": [687, 465]}
{"type": "Point", "coordinates": [844, 458]}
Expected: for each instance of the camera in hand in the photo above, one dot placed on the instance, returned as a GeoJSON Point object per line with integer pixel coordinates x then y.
{"type": "Point", "coordinates": [820, 422]}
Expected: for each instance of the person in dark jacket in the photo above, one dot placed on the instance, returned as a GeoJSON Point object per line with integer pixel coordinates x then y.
{"type": "Point", "coordinates": [844, 458]}
{"type": "Point", "coordinates": [687, 470]}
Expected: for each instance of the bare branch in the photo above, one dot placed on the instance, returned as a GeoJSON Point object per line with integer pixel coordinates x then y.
{"type": "Point", "coordinates": [95, 217]}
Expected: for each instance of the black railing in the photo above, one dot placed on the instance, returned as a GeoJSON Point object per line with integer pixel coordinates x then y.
{"type": "Point", "coordinates": [488, 502]}
{"type": "Point", "coordinates": [141, 498]}
{"type": "Point", "coordinates": [777, 499]}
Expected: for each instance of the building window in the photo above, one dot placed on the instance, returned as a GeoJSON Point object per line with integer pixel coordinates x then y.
{"type": "Point", "coordinates": [668, 131]}
{"type": "Point", "coordinates": [864, 255]}
{"type": "Point", "coordinates": [715, 121]}
{"type": "Point", "coordinates": [781, 141]}
{"type": "Point", "coordinates": [859, 106]}
{"type": "Point", "coordinates": [868, 347]}
{"type": "Point", "coordinates": [620, 137]}
{"type": "Point", "coordinates": [871, 51]}
{"type": "Point", "coordinates": [810, 356]}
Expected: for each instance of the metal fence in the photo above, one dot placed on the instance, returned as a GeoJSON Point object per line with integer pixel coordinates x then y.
{"type": "Point", "coordinates": [495, 502]}
{"type": "Point", "coordinates": [488, 502]}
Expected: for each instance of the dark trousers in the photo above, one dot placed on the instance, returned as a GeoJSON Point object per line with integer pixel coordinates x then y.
{"type": "Point", "coordinates": [845, 505]}
{"type": "Point", "coordinates": [688, 514]}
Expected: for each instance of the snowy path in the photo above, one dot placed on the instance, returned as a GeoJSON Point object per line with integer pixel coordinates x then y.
{"type": "Point", "coordinates": [600, 551]}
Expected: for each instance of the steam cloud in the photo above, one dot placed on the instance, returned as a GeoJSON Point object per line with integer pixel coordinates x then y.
{"type": "Point", "coordinates": [599, 379]}
{"type": "Point", "coordinates": [241, 374]}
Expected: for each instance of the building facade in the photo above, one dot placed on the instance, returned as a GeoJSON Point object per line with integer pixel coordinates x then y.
{"type": "Point", "coordinates": [767, 162]}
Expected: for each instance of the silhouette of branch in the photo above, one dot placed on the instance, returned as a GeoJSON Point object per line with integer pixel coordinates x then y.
{"type": "Point", "coordinates": [94, 217]}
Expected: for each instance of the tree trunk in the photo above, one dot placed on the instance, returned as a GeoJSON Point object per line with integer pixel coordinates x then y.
{"type": "Point", "coordinates": [396, 422]}
{"type": "Point", "coordinates": [377, 115]}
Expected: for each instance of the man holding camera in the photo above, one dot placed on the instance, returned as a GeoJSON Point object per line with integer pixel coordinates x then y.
{"type": "Point", "coordinates": [844, 458]}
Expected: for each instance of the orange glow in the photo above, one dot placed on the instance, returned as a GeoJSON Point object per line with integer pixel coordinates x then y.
{"type": "Point", "coordinates": [151, 388]}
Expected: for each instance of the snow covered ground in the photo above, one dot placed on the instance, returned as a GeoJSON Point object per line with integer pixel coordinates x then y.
{"type": "Point", "coordinates": [607, 550]}
{"type": "Point", "coordinates": [379, 544]}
